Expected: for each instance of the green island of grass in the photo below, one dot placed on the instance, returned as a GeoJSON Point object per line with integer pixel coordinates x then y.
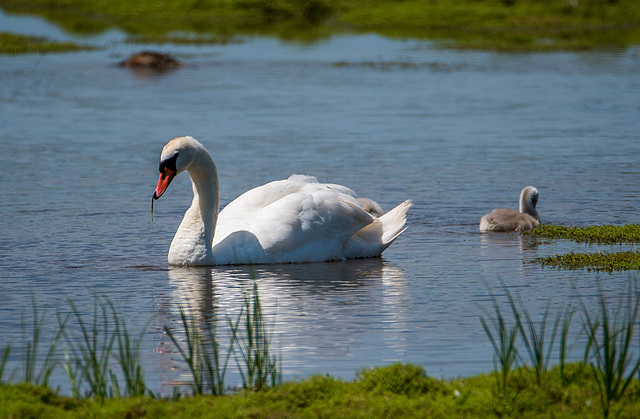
{"type": "Point", "coordinates": [607, 234]}
{"type": "Point", "coordinates": [598, 261]}
{"type": "Point", "coordinates": [21, 44]}
{"type": "Point", "coordinates": [398, 391]}
{"type": "Point", "coordinates": [592, 261]}
{"type": "Point", "coordinates": [504, 25]}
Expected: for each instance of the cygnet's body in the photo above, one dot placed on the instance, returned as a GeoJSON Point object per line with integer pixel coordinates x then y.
{"type": "Point", "coordinates": [506, 219]}
{"type": "Point", "coordinates": [371, 206]}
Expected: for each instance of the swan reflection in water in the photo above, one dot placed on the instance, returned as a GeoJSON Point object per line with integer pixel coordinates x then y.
{"type": "Point", "coordinates": [319, 312]}
{"type": "Point", "coordinates": [514, 246]}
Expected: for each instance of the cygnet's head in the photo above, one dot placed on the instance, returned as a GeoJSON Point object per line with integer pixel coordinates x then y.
{"type": "Point", "coordinates": [528, 200]}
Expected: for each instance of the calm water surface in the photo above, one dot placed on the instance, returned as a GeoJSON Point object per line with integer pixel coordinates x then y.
{"type": "Point", "coordinates": [459, 133]}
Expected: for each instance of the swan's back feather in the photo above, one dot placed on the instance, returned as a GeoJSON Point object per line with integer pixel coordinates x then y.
{"type": "Point", "coordinates": [300, 219]}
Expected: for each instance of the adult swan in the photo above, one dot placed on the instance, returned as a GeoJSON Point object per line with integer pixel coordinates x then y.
{"type": "Point", "coordinates": [285, 221]}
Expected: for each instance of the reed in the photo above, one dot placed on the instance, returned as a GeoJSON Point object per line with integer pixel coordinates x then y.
{"type": "Point", "coordinates": [261, 366]}
{"type": "Point", "coordinates": [567, 316]}
{"type": "Point", "coordinates": [503, 341]}
{"type": "Point", "coordinates": [202, 353]}
{"type": "Point", "coordinates": [609, 347]}
{"type": "Point", "coordinates": [534, 337]}
{"type": "Point", "coordinates": [129, 356]}
{"type": "Point", "coordinates": [3, 360]}
{"type": "Point", "coordinates": [192, 355]}
{"type": "Point", "coordinates": [92, 351]}
{"type": "Point", "coordinates": [32, 348]}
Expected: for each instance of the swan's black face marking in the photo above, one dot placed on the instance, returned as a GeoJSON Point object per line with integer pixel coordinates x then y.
{"type": "Point", "coordinates": [167, 173]}
{"type": "Point", "coordinates": [169, 163]}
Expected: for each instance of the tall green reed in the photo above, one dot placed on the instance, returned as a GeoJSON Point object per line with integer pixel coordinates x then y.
{"type": "Point", "coordinates": [87, 357]}
{"type": "Point", "coordinates": [202, 353]}
{"type": "Point", "coordinates": [567, 315]}
{"type": "Point", "coordinates": [91, 352]}
{"type": "Point", "coordinates": [609, 346]}
{"type": "Point", "coordinates": [534, 337]}
{"type": "Point", "coordinates": [128, 356]}
{"type": "Point", "coordinates": [503, 339]}
{"type": "Point", "coordinates": [208, 365]}
{"type": "Point", "coordinates": [32, 348]}
{"type": "Point", "coordinates": [3, 360]}
{"type": "Point", "coordinates": [261, 366]}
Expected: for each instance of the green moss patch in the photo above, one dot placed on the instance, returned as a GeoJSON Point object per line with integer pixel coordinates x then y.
{"type": "Point", "coordinates": [592, 261]}
{"type": "Point", "coordinates": [608, 234]}
{"type": "Point", "coordinates": [600, 261]}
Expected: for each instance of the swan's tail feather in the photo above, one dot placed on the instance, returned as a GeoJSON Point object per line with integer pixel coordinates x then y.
{"type": "Point", "coordinates": [393, 223]}
{"type": "Point", "coordinates": [374, 238]}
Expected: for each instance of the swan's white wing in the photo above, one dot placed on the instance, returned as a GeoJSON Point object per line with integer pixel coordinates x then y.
{"type": "Point", "coordinates": [294, 219]}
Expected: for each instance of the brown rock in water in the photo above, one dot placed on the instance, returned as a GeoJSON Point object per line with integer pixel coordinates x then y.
{"type": "Point", "coordinates": [151, 60]}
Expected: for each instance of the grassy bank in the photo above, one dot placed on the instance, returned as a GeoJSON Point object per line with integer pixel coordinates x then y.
{"type": "Point", "coordinates": [395, 391]}
{"type": "Point", "coordinates": [521, 25]}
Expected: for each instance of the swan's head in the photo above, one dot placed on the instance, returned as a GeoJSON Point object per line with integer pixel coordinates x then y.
{"type": "Point", "coordinates": [177, 156]}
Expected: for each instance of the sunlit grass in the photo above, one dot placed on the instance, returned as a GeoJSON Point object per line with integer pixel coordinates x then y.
{"type": "Point", "coordinates": [504, 25]}
{"type": "Point", "coordinates": [626, 260]}
{"type": "Point", "coordinates": [594, 261]}
{"type": "Point", "coordinates": [605, 234]}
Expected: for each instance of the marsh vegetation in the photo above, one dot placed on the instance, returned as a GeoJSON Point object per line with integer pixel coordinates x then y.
{"type": "Point", "coordinates": [603, 383]}
{"type": "Point", "coordinates": [506, 25]}
{"type": "Point", "coordinates": [622, 260]}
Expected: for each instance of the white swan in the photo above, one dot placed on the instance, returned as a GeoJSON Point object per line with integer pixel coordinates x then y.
{"type": "Point", "coordinates": [285, 221]}
{"type": "Point", "coordinates": [506, 219]}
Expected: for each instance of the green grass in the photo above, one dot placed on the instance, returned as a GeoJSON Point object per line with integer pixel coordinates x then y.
{"type": "Point", "coordinates": [20, 44]}
{"type": "Point", "coordinates": [627, 260]}
{"type": "Point", "coordinates": [505, 25]}
{"type": "Point", "coordinates": [607, 234]}
{"type": "Point", "coordinates": [594, 261]}
{"type": "Point", "coordinates": [398, 390]}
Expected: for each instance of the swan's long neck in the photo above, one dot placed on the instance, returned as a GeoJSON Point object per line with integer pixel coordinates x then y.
{"type": "Point", "coordinates": [528, 200]}
{"type": "Point", "coordinates": [192, 242]}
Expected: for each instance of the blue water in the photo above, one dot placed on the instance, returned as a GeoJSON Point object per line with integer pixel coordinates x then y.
{"type": "Point", "coordinates": [457, 132]}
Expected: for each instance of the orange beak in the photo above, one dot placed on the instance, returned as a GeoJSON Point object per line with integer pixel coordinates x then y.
{"type": "Point", "coordinates": [166, 176]}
